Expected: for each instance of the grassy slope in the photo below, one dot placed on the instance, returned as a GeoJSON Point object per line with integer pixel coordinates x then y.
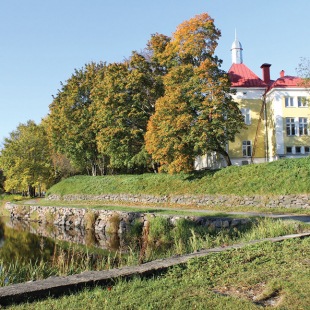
{"type": "Point", "coordinates": [236, 279]}
{"type": "Point", "coordinates": [287, 176]}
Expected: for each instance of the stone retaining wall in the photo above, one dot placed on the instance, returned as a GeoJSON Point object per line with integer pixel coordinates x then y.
{"type": "Point", "coordinates": [286, 201]}
{"type": "Point", "coordinates": [107, 221]}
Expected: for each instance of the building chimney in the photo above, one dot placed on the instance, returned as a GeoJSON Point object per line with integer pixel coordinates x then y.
{"type": "Point", "coordinates": [266, 72]}
{"type": "Point", "coordinates": [282, 73]}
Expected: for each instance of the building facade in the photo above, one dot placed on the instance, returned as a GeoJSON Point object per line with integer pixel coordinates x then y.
{"type": "Point", "coordinates": [276, 114]}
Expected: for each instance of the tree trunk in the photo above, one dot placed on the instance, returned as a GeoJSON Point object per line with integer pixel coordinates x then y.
{"type": "Point", "coordinates": [225, 155]}
{"type": "Point", "coordinates": [103, 164]}
{"type": "Point", "coordinates": [93, 169]}
{"type": "Point", "coordinates": [155, 167]}
{"type": "Point", "coordinates": [31, 191]}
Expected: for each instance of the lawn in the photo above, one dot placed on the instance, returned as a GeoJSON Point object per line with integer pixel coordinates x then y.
{"type": "Point", "coordinates": [282, 177]}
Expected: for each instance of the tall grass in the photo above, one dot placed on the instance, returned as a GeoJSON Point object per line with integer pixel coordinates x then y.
{"type": "Point", "coordinates": [157, 240]}
{"type": "Point", "coordinates": [268, 275]}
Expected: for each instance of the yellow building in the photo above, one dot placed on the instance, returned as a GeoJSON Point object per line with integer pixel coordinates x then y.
{"type": "Point", "coordinates": [276, 114]}
{"type": "Point", "coordinates": [287, 118]}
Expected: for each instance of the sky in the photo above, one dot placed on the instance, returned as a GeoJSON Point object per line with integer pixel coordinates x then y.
{"type": "Point", "coordinates": [42, 42]}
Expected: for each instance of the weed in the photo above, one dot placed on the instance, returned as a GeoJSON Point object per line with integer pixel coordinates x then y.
{"type": "Point", "coordinates": [50, 217]}
{"type": "Point", "coordinates": [34, 216]}
{"type": "Point", "coordinates": [159, 231]}
{"type": "Point", "coordinates": [90, 219]}
{"type": "Point", "coordinates": [21, 211]}
{"type": "Point", "coordinates": [114, 221]}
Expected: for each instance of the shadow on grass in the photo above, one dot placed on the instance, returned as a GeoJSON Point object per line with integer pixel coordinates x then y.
{"type": "Point", "coordinates": [197, 175]}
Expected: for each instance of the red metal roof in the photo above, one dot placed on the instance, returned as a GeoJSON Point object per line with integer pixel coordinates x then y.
{"type": "Point", "coordinates": [241, 76]}
{"type": "Point", "coordinates": [287, 82]}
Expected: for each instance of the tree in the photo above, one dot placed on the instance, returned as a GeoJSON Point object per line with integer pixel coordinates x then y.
{"type": "Point", "coordinates": [196, 114]}
{"type": "Point", "coordinates": [1, 181]}
{"type": "Point", "coordinates": [125, 100]}
{"type": "Point", "coordinates": [62, 167]}
{"type": "Point", "coordinates": [70, 121]}
{"type": "Point", "coordinates": [303, 72]}
{"type": "Point", "coordinates": [25, 160]}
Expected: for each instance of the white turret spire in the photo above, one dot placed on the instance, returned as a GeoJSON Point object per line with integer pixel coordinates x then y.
{"type": "Point", "coordinates": [236, 51]}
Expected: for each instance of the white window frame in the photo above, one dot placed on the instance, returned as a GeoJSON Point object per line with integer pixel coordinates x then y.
{"type": "Point", "coordinates": [303, 126]}
{"type": "Point", "coordinates": [302, 102]}
{"type": "Point", "coordinates": [299, 148]}
{"type": "Point", "coordinates": [289, 102]}
{"type": "Point", "coordinates": [246, 112]}
{"type": "Point", "coordinates": [247, 148]}
{"type": "Point", "coordinates": [290, 126]}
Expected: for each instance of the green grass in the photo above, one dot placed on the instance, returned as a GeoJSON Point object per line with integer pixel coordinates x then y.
{"type": "Point", "coordinates": [161, 240]}
{"type": "Point", "coordinates": [288, 176]}
{"type": "Point", "coordinates": [248, 278]}
{"type": "Point", "coordinates": [7, 197]}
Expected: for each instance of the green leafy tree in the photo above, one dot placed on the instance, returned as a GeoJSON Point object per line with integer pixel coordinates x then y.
{"type": "Point", "coordinates": [25, 160]}
{"type": "Point", "coordinates": [125, 100]}
{"type": "Point", "coordinates": [70, 121]}
{"type": "Point", "coordinates": [196, 114]}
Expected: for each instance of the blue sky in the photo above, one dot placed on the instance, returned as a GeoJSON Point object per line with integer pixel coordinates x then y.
{"type": "Point", "coordinates": [42, 42]}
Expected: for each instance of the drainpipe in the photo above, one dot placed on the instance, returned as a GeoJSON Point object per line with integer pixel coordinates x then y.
{"type": "Point", "coordinates": [266, 78]}
{"type": "Point", "coordinates": [266, 128]}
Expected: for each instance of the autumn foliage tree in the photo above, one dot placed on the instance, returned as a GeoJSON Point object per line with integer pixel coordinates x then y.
{"type": "Point", "coordinates": [196, 114]}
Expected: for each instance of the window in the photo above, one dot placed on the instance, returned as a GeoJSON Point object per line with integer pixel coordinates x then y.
{"type": "Point", "coordinates": [246, 148]}
{"type": "Point", "coordinates": [303, 126]}
{"type": "Point", "coordinates": [307, 149]}
{"type": "Point", "coordinates": [302, 102]}
{"type": "Point", "coordinates": [290, 126]}
{"type": "Point", "coordinates": [246, 114]}
{"type": "Point", "coordinates": [289, 150]}
{"type": "Point", "coordinates": [297, 149]}
{"type": "Point", "coordinates": [289, 102]}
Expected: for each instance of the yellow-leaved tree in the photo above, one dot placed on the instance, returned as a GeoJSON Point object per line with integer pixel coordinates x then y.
{"type": "Point", "coordinates": [196, 115]}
